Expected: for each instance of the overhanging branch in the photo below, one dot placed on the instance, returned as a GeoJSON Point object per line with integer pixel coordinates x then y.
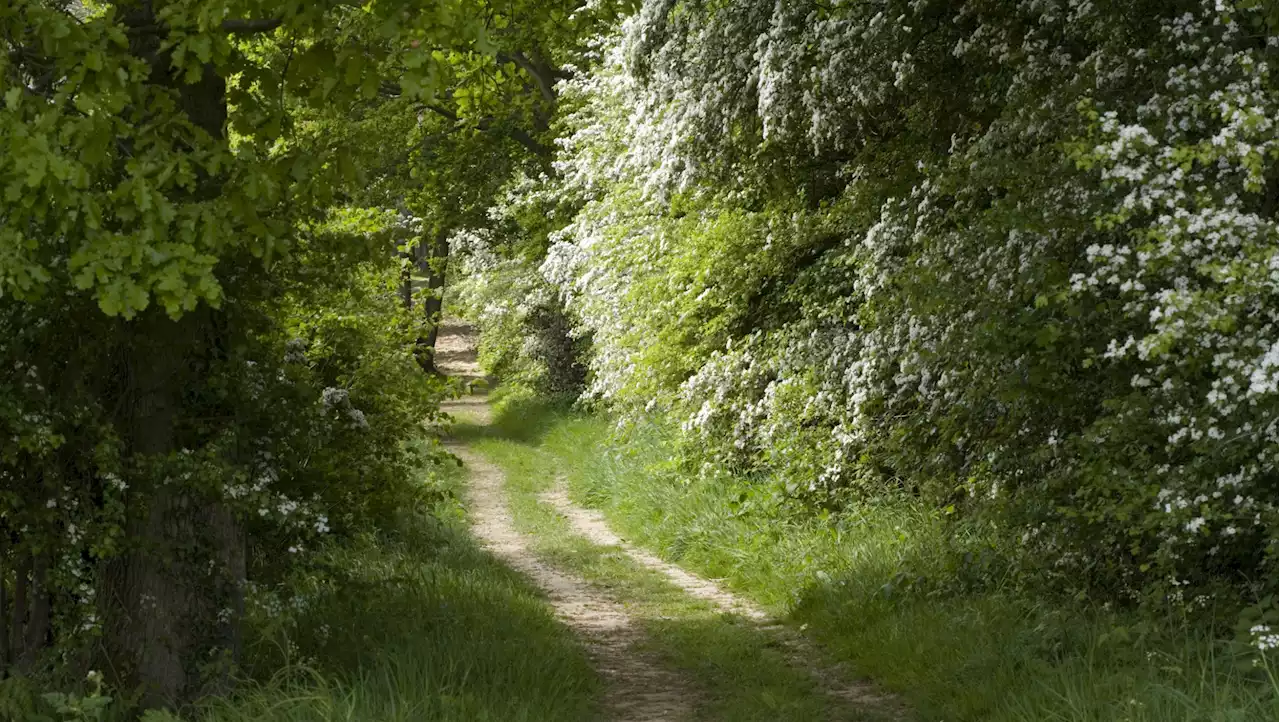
{"type": "Point", "coordinates": [543, 77]}
{"type": "Point", "coordinates": [245, 26]}
{"type": "Point", "coordinates": [519, 135]}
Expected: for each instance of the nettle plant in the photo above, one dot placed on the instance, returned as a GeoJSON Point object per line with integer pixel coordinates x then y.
{"type": "Point", "coordinates": [1017, 258]}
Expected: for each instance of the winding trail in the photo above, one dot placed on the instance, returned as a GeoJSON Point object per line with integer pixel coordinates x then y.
{"type": "Point", "coordinates": [639, 687]}
{"type": "Point", "coordinates": [799, 652]}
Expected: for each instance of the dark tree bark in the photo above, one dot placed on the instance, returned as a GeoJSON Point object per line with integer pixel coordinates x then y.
{"type": "Point", "coordinates": [406, 277]}
{"type": "Point", "coordinates": [228, 540]}
{"type": "Point", "coordinates": [148, 603]}
{"type": "Point", "coordinates": [4, 603]}
{"type": "Point", "coordinates": [19, 618]}
{"type": "Point", "coordinates": [37, 628]}
{"type": "Point", "coordinates": [176, 595]}
{"type": "Point", "coordinates": [433, 262]}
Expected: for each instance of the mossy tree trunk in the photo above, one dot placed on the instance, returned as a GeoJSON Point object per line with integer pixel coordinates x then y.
{"type": "Point", "coordinates": [172, 599]}
{"type": "Point", "coordinates": [433, 263]}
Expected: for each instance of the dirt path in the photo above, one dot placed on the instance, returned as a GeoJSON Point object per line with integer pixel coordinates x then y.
{"type": "Point", "coordinates": [456, 358]}
{"type": "Point", "coordinates": [639, 688]}
{"type": "Point", "coordinates": [800, 653]}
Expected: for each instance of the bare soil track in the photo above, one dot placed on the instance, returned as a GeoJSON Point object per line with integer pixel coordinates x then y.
{"type": "Point", "coordinates": [640, 688]}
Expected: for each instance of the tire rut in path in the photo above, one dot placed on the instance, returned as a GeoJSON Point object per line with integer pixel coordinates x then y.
{"type": "Point", "coordinates": [639, 689]}
{"type": "Point", "coordinates": [799, 652]}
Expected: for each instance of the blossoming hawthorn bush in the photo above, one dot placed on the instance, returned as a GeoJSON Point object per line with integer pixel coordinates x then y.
{"type": "Point", "coordinates": [1018, 258]}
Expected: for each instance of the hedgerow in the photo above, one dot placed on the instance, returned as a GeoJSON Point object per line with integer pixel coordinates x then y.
{"type": "Point", "coordinates": [1018, 259]}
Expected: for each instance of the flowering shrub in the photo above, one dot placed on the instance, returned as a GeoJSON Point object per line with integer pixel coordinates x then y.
{"type": "Point", "coordinates": [1018, 258]}
{"type": "Point", "coordinates": [526, 339]}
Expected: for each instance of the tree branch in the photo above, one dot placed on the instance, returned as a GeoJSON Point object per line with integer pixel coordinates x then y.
{"type": "Point", "coordinates": [442, 111]}
{"type": "Point", "coordinates": [249, 26]}
{"type": "Point", "coordinates": [519, 135]}
{"type": "Point", "coordinates": [544, 77]}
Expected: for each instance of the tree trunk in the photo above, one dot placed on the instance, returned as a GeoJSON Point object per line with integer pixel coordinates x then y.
{"type": "Point", "coordinates": [19, 618]}
{"type": "Point", "coordinates": [147, 600]}
{"type": "Point", "coordinates": [4, 603]}
{"type": "Point", "coordinates": [228, 541]}
{"type": "Point", "coordinates": [433, 262]}
{"type": "Point", "coordinates": [183, 560]}
{"type": "Point", "coordinates": [164, 598]}
{"type": "Point", "coordinates": [406, 276]}
{"type": "Point", "coordinates": [37, 629]}
{"type": "Point", "coordinates": [169, 600]}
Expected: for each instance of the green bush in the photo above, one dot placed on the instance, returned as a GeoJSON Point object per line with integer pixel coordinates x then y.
{"type": "Point", "coordinates": [927, 610]}
{"type": "Point", "coordinates": [1015, 259]}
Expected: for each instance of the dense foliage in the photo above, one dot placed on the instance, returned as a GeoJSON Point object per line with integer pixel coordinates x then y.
{"type": "Point", "coordinates": [213, 342]}
{"type": "Point", "coordinates": [1017, 259]}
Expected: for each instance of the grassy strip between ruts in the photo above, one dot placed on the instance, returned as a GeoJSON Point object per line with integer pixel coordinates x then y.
{"type": "Point", "coordinates": [416, 623]}
{"type": "Point", "coordinates": [740, 672]}
{"type": "Point", "coordinates": [989, 653]}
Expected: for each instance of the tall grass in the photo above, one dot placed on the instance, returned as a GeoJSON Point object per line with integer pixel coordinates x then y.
{"type": "Point", "coordinates": [414, 623]}
{"type": "Point", "coordinates": [877, 587]}
{"type": "Point", "coordinates": [735, 672]}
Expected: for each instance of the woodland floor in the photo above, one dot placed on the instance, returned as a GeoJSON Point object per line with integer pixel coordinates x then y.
{"type": "Point", "coordinates": [649, 627]}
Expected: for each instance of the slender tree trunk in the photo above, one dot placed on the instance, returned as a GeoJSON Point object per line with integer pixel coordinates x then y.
{"type": "Point", "coordinates": [406, 277]}
{"type": "Point", "coordinates": [19, 623]}
{"type": "Point", "coordinates": [433, 262]}
{"type": "Point", "coordinates": [37, 630]}
{"type": "Point", "coordinates": [4, 603]}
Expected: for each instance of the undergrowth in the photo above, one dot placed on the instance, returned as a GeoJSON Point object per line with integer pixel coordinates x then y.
{"type": "Point", "coordinates": [416, 623]}
{"type": "Point", "coordinates": [413, 623]}
{"type": "Point", "coordinates": [889, 590]}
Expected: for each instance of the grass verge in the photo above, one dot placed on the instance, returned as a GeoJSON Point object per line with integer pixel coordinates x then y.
{"type": "Point", "coordinates": [415, 623]}
{"type": "Point", "coordinates": [860, 585]}
{"type": "Point", "coordinates": [742, 675]}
